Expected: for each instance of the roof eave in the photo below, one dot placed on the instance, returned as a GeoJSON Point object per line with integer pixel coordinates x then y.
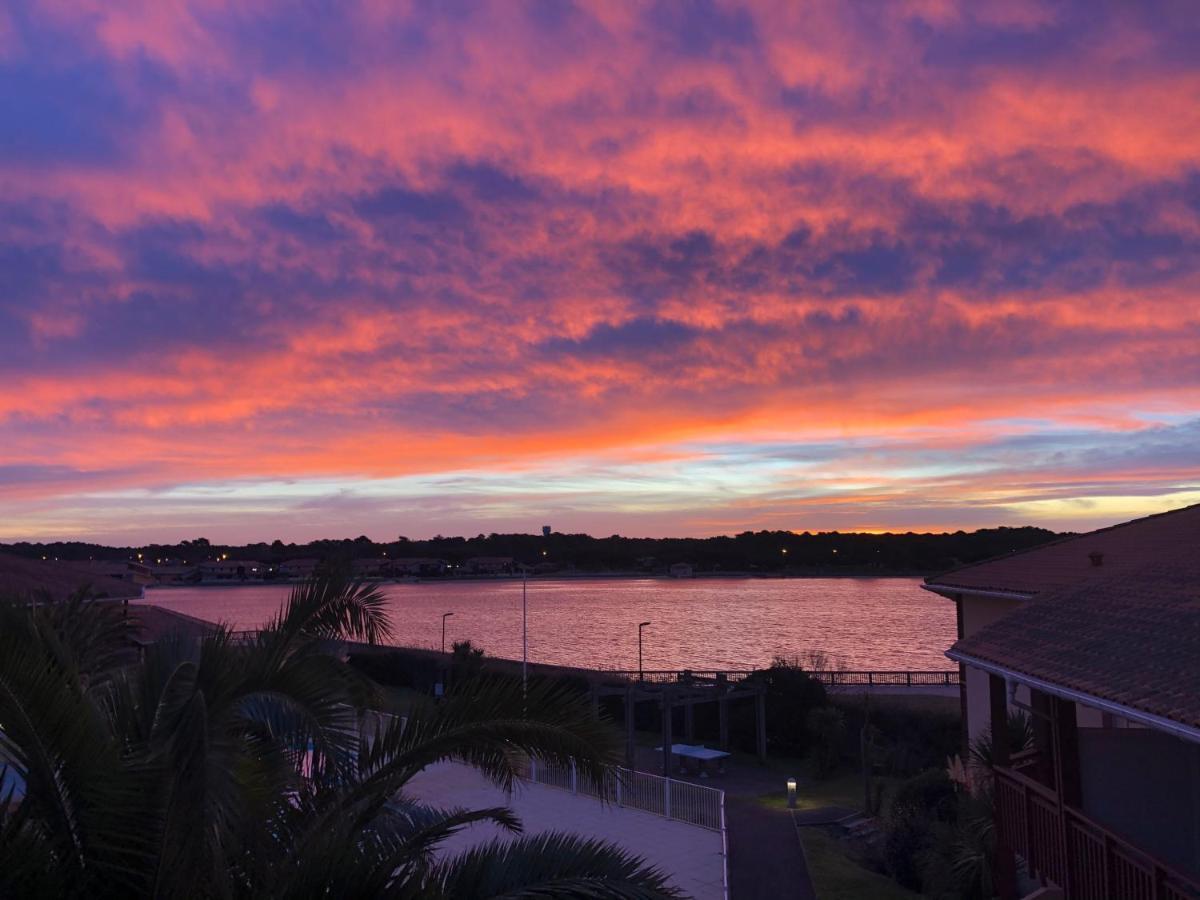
{"type": "Point", "coordinates": [1150, 720]}
{"type": "Point", "coordinates": [950, 591]}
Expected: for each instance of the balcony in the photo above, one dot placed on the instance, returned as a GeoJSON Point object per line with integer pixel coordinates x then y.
{"type": "Point", "coordinates": [1062, 845]}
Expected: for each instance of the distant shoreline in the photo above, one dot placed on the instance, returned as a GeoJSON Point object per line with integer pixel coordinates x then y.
{"type": "Point", "coordinates": [579, 576]}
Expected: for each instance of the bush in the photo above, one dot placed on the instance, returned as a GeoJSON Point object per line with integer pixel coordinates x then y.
{"type": "Point", "coordinates": [907, 740]}
{"type": "Point", "coordinates": [930, 795]}
{"type": "Point", "coordinates": [791, 696]}
{"type": "Point", "coordinates": [827, 732]}
{"type": "Point", "coordinates": [921, 807]}
{"type": "Point", "coordinates": [466, 660]}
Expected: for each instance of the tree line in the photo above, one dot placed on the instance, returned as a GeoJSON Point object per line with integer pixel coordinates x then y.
{"type": "Point", "coordinates": [755, 552]}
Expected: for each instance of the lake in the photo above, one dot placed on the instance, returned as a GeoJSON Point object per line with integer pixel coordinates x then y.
{"type": "Point", "coordinates": [698, 623]}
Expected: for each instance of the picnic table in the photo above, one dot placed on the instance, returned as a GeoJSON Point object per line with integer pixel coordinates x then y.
{"type": "Point", "coordinates": [700, 754]}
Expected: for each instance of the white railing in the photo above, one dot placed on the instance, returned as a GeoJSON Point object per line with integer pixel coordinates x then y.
{"type": "Point", "coordinates": [679, 800]}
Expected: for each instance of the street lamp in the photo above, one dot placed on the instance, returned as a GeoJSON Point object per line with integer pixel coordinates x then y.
{"type": "Point", "coordinates": [641, 672]}
{"type": "Point", "coordinates": [524, 637]}
{"type": "Point", "coordinates": [445, 616]}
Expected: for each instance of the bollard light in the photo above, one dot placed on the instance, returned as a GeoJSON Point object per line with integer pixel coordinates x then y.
{"type": "Point", "coordinates": [791, 788]}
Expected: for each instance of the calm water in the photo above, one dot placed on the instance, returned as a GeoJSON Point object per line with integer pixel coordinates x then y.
{"type": "Point", "coordinates": [860, 623]}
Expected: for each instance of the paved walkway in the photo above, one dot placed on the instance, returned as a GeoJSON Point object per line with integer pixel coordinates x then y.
{"type": "Point", "coordinates": [690, 854]}
{"type": "Point", "coordinates": [765, 859]}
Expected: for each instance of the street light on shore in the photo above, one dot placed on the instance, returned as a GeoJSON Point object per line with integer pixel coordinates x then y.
{"type": "Point", "coordinates": [641, 671]}
{"type": "Point", "coordinates": [445, 616]}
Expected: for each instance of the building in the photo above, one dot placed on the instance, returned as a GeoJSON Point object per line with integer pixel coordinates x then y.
{"type": "Point", "coordinates": [298, 569]}
{"type": "Point", "coordinates": [231, 570]}
{"type": "Point", "coordinates": [174, 574]}
{"type": "Point", "coordinates": [377, 567]}
{"type": "Point", "coordinates": [1110, 792]}
{"type": "Point", "coordinates": [987, 591]}
{"type": "Point", "coordinates": [419, 565]}
{"type": "Point", "coordinates": [1095, 638]}
{"type": "Point", "coordinates": [489, 565]}
{"type": "Point", "coordinates": [680, 570]}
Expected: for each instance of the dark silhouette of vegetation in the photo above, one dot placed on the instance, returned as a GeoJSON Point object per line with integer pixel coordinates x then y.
{"type": "Point", "coordinates": [466, 660]}
{"type": "Point", "coordinates": [827, 732]}
{"type": "Point", "coordinates": [229, 768]}
{"type": "Point", "coordinates": [753, 552]}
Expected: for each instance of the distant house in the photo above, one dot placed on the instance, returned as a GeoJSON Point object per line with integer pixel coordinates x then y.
{"type": "Point", "coordinates": [1096, 639]}
{"type": "Point", "coordinates": [489, 565]}
{"type": "Point", "coordinates": [174, 574]}
{"type": "Point", "coordinates": [298, 569]}
{"type": "Point", "coordinates": [419, 565]}
{"type": "Point", "coordinates": [680, 570]}
{"type": "Point", "coordinates": [371, 568]}
{"type": "Point", "coordinates": [231, 570]}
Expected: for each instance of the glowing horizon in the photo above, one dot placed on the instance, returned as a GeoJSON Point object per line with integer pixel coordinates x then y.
{"type": "Point", "coordinates": [650, 269]}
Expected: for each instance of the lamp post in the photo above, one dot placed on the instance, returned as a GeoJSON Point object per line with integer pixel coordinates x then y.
{"type": "Point", "coordinates": [445, 616]}
{"type": "Point", "coordinates": [641, 671]}
{"type": "Point", "coordinates": [524, 637]}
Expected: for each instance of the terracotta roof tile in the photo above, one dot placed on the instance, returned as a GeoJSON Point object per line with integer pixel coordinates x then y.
{"type": "Point", "coordinates": [1133, 639]}
{"type": "Point", "coordinates": [1106, 553]}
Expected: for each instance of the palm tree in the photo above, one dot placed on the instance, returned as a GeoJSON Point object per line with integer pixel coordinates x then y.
{"type": "Point", "coordinates": [247, 768]}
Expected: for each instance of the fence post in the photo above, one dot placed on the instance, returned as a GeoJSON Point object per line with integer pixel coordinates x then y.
{"type": "Point", "coordinates": [574, 778]}
{"type": "Point", "coordinates": [908, 678]}
{"type": "Point", "coordinates": [533, 770]}
{"type": "Point", "coordinates": [667, 797]}
{"type": "Point", "coordinates": [619, 780]}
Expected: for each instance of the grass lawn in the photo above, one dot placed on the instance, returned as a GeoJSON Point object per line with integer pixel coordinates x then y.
{"type": "Point", "coordinates": [836, 876]}
{"type": "Point", "coordinates": [845, 789]}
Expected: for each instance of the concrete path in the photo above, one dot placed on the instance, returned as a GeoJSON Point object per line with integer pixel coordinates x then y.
{"type": "Point", "coordinates": [691, 855]}
{"type": "Point", "coordinates": [765, 859]}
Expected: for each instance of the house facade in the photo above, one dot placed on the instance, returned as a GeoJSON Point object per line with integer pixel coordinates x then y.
{"type": "Point", "coordinates": [299, 569]}
{"type": "Point", "coordinates": [232, 570]}
{"type": "Point", "coordinates": [490, 565]}
{"type": "Point", "coordinates": [1096, 639]}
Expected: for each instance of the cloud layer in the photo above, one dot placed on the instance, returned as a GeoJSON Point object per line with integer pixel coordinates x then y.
{"type": "Point", "coordinates": [677, 267]}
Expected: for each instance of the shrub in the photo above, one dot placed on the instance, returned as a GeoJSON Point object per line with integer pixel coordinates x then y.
{"type": "Point", "coordinates": [908, 740]}
{"type": "Point", "coordinates": [827, 732]}
{"type": "Point", "coordinates": [921, 807]}
{"type": "Point", "coordinates": [791, 695]}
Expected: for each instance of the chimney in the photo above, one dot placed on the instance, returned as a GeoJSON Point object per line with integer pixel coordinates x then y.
{"type": "Point", "coordinates": [1096, 557]}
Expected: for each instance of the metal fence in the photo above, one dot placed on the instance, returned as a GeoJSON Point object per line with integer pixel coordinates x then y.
{"type": "Point", "coordinates": [890, 679]}
{"type": "Point", "coordinates": [678, 800]}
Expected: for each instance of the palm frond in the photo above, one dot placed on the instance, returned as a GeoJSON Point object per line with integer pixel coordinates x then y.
{"type": "Point", "coordinates": [547, 865]}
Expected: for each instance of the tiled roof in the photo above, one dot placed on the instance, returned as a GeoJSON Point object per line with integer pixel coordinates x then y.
{"type": "Point", "coordinates": [1159, 539]}
{"type": "Point", "coordinates": [1132, 639]}
{"type": "Point", "coordinates": [151, 623]}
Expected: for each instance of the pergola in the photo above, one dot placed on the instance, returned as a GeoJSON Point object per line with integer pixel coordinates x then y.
{"type": "Point", "coordinates": [682, 689]}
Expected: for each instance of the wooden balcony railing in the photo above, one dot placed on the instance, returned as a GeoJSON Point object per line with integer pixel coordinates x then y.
{"type": "Point", "coordinates": [1085, 859]}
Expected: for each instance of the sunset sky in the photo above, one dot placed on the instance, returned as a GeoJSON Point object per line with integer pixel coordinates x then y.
{"type": "Point", "coordinates": [293, 270]}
